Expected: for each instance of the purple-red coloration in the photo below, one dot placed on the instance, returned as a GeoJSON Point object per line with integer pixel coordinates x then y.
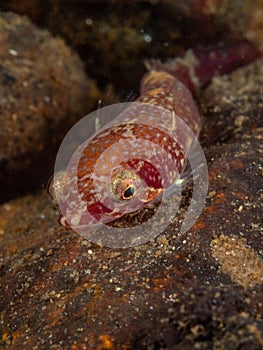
{"type": "Point", "coordinates": [195, 68]}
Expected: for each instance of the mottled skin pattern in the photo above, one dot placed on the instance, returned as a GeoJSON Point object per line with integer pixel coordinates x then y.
{"type": "Point", "coordinates": [168, 86]}
{"type": "Point", "coordinates": [196, 67]}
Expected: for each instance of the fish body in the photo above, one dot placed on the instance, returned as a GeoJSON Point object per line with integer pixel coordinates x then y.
{"type": "Point", "coordinates": [142, 152]}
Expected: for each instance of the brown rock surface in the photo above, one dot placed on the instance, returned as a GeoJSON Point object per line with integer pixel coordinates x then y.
{"type": "Point", "coordinates": [182, 291]}
{"type": "Point", "coordinates": [43, 91]}
{"type": "Point", "coordinates": [233, 116]}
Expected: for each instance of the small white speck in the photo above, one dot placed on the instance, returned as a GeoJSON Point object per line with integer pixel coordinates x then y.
{"type": "Point", "coordinates": [47, 99]}
{"type": "Point", "coordinates": [12, 52]}
{"type": "Point", "coordinates": [40, 216]}
{"type": "Point", "coordinates": [147, 38]}
{"type": "Point", "coordinates": [75, 221]}
{"type": "Point", "coordinates": [89, 21]}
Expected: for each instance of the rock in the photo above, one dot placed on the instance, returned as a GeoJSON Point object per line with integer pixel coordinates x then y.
{"type": "Point", "coordinates": [43, 91]}
{"type": "Point", "coordinates": [220, 318]}
{"type": "Point", "coordinates": [236, 114]}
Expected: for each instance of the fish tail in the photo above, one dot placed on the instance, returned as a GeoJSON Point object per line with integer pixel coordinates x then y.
{"type": "Point", "coordinates": [196, 67]}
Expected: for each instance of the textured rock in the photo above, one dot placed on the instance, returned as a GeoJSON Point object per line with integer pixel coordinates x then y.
{"type": "Point", "coordinates": [233, 105]}
{"type": "Point", "coordinates": [43, 91]}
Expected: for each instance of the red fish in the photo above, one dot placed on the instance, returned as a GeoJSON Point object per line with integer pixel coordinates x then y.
{"type": "Point", "coordinates": [144, 149]}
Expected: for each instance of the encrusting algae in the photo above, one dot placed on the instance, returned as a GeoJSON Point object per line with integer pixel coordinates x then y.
{"type": "Point", "coordinates": [238, 260]}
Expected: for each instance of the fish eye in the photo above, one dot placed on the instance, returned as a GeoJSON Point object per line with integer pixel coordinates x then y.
{"type": "Point", "coordinates": [123, 184]}
{"type": "Point", "coordinates": [128, 192]}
